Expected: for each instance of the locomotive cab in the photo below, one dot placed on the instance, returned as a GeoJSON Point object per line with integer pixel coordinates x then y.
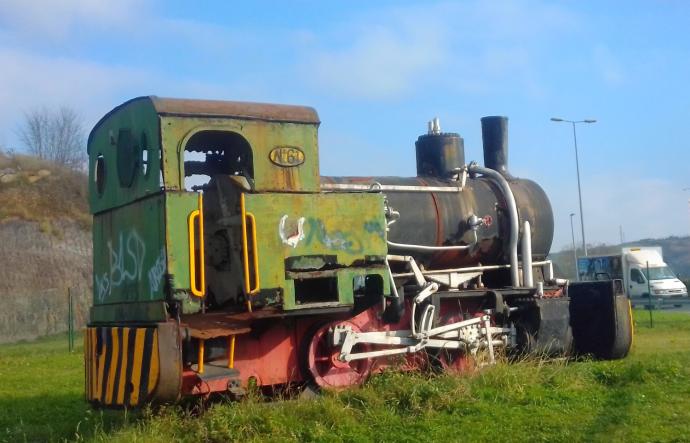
{"type": "Point", "coordinates": [205, 208]}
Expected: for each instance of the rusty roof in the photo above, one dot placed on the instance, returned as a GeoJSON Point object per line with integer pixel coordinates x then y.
{"type": "Point", "coordinates": [244, 110]}
{"type": "Point", "coordinates": [222, 109]}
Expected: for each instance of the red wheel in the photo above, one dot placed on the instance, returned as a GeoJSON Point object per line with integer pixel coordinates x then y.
{"type": "Point", "coordinates": [323, 364]}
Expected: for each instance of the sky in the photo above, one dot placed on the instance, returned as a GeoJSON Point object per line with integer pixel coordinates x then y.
{"type": "Point", "coordinates": [378, 71]}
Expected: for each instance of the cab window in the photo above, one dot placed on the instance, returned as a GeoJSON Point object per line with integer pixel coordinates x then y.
{"type": "Point", "coordinates": [636, 276]}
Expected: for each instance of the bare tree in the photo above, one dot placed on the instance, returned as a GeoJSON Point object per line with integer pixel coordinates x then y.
{"type": "Point", "coordinates": [57, 136]}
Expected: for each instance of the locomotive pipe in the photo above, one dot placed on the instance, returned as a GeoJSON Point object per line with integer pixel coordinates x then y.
{"type": "Point", "coordinates": [545, 265]}
{"type": "Point", "coordinates": [495, 142]}
{"type": "Point", "coordinates": [422, 248]}
{"type": "Point", "coordinates": [502, 183]}
{"type": "Point", "coordinates": [527, 276]}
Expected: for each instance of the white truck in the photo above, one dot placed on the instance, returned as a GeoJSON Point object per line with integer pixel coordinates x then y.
{"type": "Point", "coordinates": [631, 266]}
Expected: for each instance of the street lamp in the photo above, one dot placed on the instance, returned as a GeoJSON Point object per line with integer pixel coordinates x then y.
{"type": "Point", "coordinates": [577, 167]}
{"type": "Point", "coordinates": [572, 232]}
{"type": "Point", "coordinates": [687, 189]}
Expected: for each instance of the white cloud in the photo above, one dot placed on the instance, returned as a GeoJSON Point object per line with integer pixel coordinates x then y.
{"type": "Point", "coordinates": [382, 61]}
{"type": "Point", "coordinates": [28, 81]}
{"type": "Point", "coordinates": [58, 18]}
{"type": "Point", "coordinates": [463, 47]}
{"type": "Point", "coordinates": [646, 207]}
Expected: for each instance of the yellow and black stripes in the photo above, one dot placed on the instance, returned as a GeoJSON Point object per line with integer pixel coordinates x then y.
{"type": "Point", "coordinates": [122, 364]}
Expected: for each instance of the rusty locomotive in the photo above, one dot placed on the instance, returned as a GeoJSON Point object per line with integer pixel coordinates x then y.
{"type": "Point", "coordinates": [222, 258]}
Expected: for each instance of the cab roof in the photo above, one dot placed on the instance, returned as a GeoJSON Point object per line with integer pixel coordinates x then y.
{"type": "Point", "coordinates": [222, 109]}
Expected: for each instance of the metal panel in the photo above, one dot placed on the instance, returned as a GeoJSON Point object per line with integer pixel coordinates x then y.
{"type": "Point", "coordinates": [121, 137]}
{"type": "Point", "coordinates": [178, 205]}
{"type": "Point", "coordinates": [262, 136]}
{"type": "Point", "coordinates": [129, 259]}
{"type": "Point", "coordinates": [349, 227]}
{"type": "Point", "coordinates": [122, 365]}
{"type": "Point", "coordinates": [231, 109]}
{"type": "Point", "coordinates": [129, 312]}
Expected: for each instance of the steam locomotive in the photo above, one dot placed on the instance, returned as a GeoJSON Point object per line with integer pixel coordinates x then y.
{"type": "Point", "coordinates": [222, 259]}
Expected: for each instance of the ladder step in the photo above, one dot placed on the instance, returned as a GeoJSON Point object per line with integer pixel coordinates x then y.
{"type": "Point", "coordinates": [213, 371]}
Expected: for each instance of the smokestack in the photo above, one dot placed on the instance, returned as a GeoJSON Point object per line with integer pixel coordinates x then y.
{"type": "Point", "coordinates": [495, 140]}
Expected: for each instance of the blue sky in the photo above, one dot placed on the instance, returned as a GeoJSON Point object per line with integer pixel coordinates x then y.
{"type": "Point", "coordinates": [377, 71]}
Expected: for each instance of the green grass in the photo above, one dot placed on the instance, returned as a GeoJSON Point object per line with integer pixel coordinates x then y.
{"type": "Point", "coordinates": [645, 397]}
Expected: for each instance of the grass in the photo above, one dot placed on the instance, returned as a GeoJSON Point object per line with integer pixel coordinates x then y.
{"type": "Point", "coordinates": [645, 397]}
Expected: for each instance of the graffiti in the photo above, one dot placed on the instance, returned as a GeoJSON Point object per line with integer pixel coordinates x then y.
{"type": "Point", "coordinates": [102, 286]}
{"type": "Point", "coordinates": [332, 240]}
{"type": "Point", "coordinates": [292, 233]}
{"type": "Point", "coordinates": [374, 227]}
{"type": "Point", "coordinates": [126, 263]}
{"type": "Point", "coordinates": [296, 237]}
{"type": "Point", "coordinates": [156, 273]}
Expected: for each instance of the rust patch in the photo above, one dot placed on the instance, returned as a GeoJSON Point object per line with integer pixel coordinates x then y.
{"type": "Point", "coordinates": [439, 226]}
{"type": "Point", "coordinates": [247, 110]}
{"type": "Point", "coordinates": [212, 326]}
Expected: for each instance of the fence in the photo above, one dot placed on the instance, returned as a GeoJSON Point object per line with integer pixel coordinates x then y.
{"type": "Point", "coordinates": [27, 316]}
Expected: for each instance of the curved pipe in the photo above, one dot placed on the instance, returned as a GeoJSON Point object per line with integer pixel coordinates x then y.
{"type": "Point", "coordinates": [527, 273]}
{"type": "Point", "coordinates": [502, 183]}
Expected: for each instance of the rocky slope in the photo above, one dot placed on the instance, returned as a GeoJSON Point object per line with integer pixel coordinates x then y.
{"type": "Point", "coordinates": [45, 248]}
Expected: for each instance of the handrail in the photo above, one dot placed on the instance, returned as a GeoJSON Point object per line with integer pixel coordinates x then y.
{"type": "Point", "coordinates": [245, 250]}
{"type": "Point", "coordinates": [196, 214]}
{"type": "Point", "coordinates": [256, 253]}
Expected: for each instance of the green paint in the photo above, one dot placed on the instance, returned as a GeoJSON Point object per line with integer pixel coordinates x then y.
{"type": "Point", "coordinates": [262, 136]}
{"type": "Point", "coordinates": [132, 312]}
{"type": "Point", "coordinates": [121, 138]}
{"type": "Point", "coordinates": [331, 225]}
{"type": "Point", "coordinates": [178, 206]}
{"type": "Point", "coordinates": [375, 227]}
{"type": "Point", "coordinates": [334, 240]}
{"type": "Point", "coordinates": [129, 254]}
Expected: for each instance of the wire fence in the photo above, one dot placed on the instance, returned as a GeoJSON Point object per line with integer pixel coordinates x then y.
{"type": "Point", "coordinates": [34, 314]}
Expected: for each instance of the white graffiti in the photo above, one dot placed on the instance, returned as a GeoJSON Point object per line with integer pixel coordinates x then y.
{"type": "Point", "coordinates": [296, 237]}
{"type": "Point", "coordinates": [102, 286]}
{"type": "Point", "coordinates": [156, 273]}
{"type": "Point", "coordinates": [126, 264]}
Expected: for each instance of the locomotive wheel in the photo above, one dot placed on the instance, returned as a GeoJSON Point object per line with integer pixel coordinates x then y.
{"type": "Point", "coordinates": [323, 365]}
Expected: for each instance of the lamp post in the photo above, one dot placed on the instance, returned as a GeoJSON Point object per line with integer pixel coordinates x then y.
{"type": "Point", "coordinates": [577, 167]}
{"type": "Point", "coordinates": [685, 189]}
{"type": "Point", "coordinates": [572, 232]}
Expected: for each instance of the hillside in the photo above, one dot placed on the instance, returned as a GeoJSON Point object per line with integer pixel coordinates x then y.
{"type": "Point", "coordinates": [45, 247]}
{"type": "Point", "coordinates": [35, 190]}
{"type": "Point", "coordinates": [676, 254]}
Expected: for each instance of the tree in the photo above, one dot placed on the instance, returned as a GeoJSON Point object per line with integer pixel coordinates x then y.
{"type": "Point", "coordinates": [57, 136]}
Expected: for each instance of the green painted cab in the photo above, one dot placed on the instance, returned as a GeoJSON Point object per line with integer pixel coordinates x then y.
{"type": "Point", "coordinates": [210, 204]}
